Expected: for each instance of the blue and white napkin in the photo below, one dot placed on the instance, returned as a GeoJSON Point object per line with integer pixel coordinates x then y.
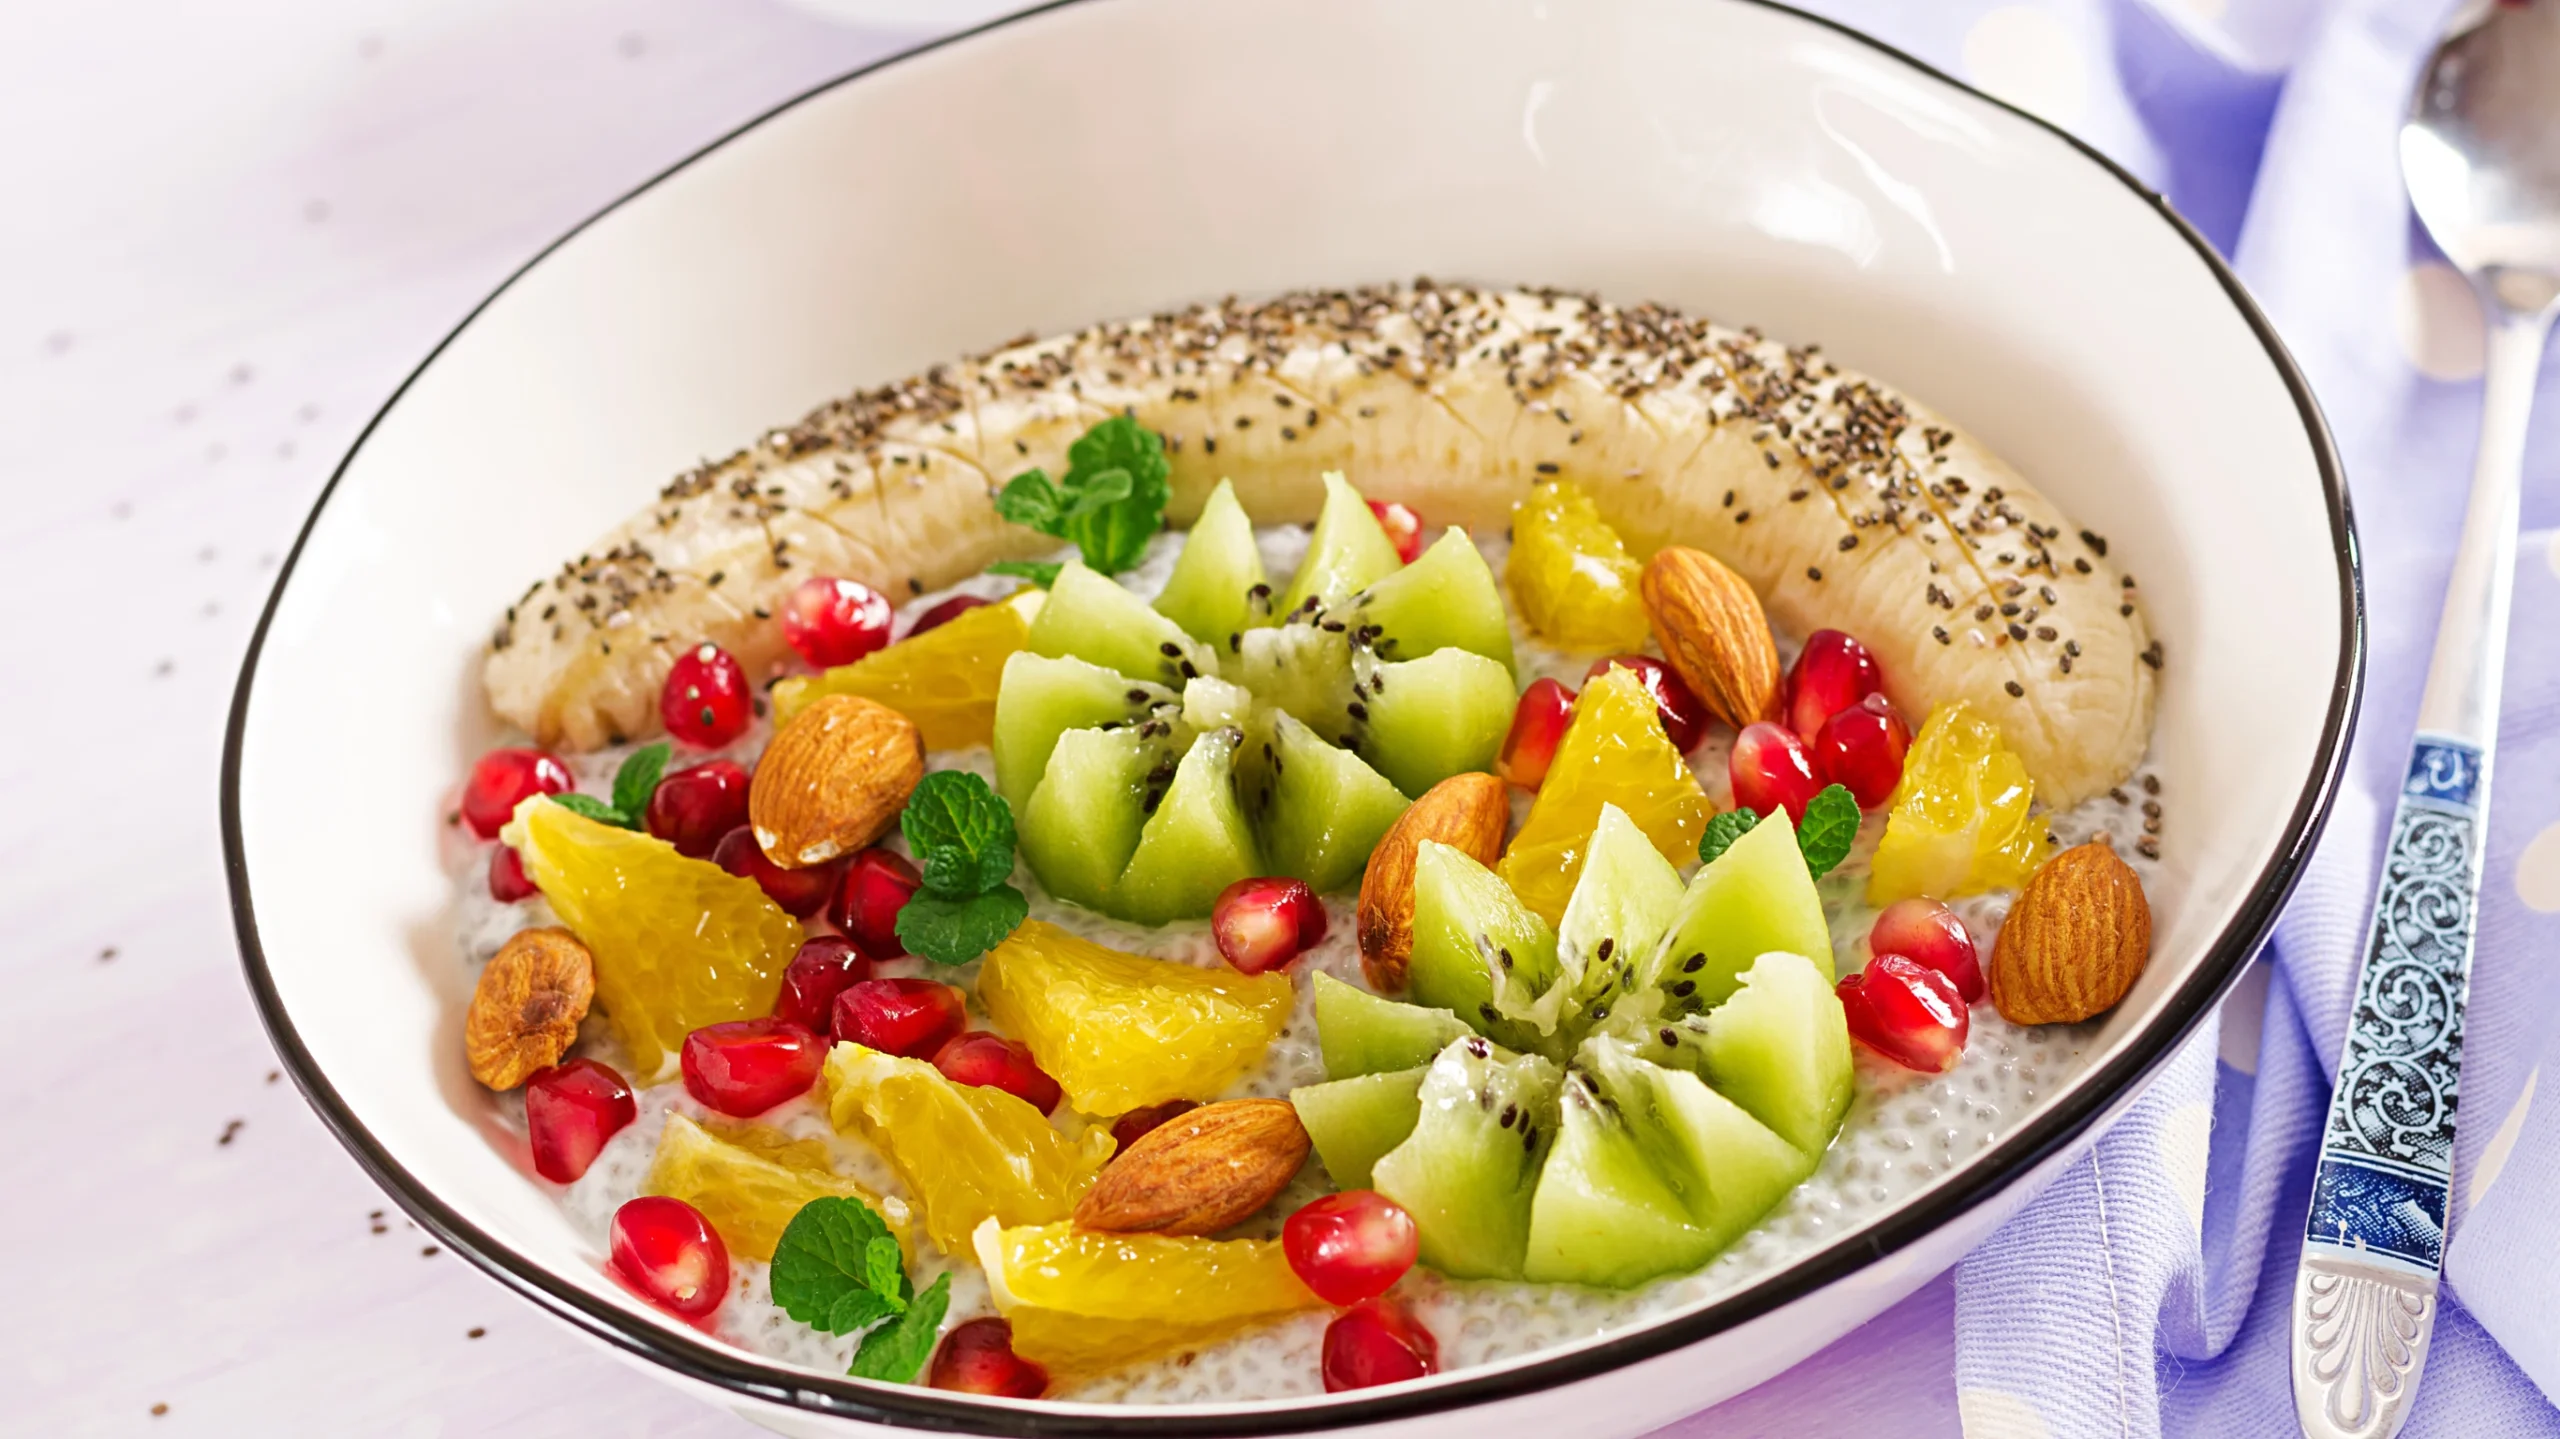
{"type": "Point", "coordinates": [2149, 1290]}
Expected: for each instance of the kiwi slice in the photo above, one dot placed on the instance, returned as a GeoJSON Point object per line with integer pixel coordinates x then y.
{"type": "Point", "coordinates": [1348, 552]}
{"type": "Point", "coordinates": [1446, 599]}
{"type": "Point", "coordinates": [1085, 817]}
{"type": "Point", "coordinates": [1039, 699]}
{"type": "Point", "coordinates": [1469, 1169]}
{"type": "Point", "coordinates": [1620, 907]}
{"type": "Point", "coordinates": [1217, 589]}
{"type": "Point", "coordinates": [1355, 1122]}
{"type": "Point", "coordinates": [1757, 897]}
{"type": "Point", "coordinates": [1091, 618]}
{"type": "Point", "coordinates": [1318, 809]}
{"type": "Point", "coordinates": [1780, 1049]}
{"type": "Point", "coordinates": [1363, 1034]}
{"type": "Point", "coordinates": [1196, 840]}
{"type": "Point", "coordinates": [1652, 1171]}
{"type": "Point", "coordinates": [1480, 953]}
{"type": "Point", "coordinates": [1421, 721]}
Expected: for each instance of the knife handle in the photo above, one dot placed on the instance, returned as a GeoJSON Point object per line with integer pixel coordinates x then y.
{"type": "Point", "coordinates": [2373, 1245]}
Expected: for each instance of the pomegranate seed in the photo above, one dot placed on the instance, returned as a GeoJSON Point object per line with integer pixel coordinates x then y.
{"type": "Point", "coordinates": [800, 892]}
{"type": "Point", "coordinates": [1930, 935]}
{"type": "Point", "coordinates": [1133, 1126]}
{"type": "Point", "coordinates": [1907, 1012]}
{"type": "Point", "coordinates": [1684, 717]}
{"type": "Point", "coordinates": [707, 701]}
{"type": "Point", "coordinates": [910, 1018]}
{"type": "Point", "coordinates": [1377, 1343]}
{"type": "Point", "coordinates": [1403, 527]}
{"type": "Point", "coordinates": [747, 1066]}
{"type": "Point", "coordinates": [978, 1358]}
{"type": "Point", "coordinates": [819, 972]}
{"type": "Point", "coordinates": [570, 1110]}
{"type": "Point", "coordinates": [1262, 924]}
{"type": "Point", "coordinates": [1351, 1246]}
{"type": "Point", "coordinates": [505, 778]}
{"type": "Point", "coordinates": [1771, 771]}
{"type": "Point", "coordinates": [828, 621]}
{"type": "Point", "coordinates": [877, 885]}
{"type": "Point", "coordinates": [1546, 707]}
{"type": "Point", "coordinates": [998, 1063]}
{"type": "Point", "coordinates": [508, 883]}
{"type": "Point", "coordinates": [935, 617]}
{"type": "Point", "coordinates": [694, 809]}
{"type": "Point", "coordinates": [665, 1249]}
{"type": "Point", "coordinates": [1832, 673]}
{"type": "Point", "coordinates": [1862, 747]}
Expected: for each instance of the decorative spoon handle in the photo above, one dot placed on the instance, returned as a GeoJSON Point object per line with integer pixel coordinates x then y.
{"type": "Point", "coordinates": [2365, 1298]}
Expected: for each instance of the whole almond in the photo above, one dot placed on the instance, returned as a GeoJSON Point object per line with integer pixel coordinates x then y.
{"type": "Point", "coordinates": [2075, 941]}
{"type": "Point", "coordinates": [1714, 633]}
{"type": "Point", "coordinates": [833, 780]}
{"type": "Point", "coordinates": [1467, 812]}
{"type": "Point", "coordinates": [1199, 1172]}
{"type": "Point", "coordinates": [525, 1009]}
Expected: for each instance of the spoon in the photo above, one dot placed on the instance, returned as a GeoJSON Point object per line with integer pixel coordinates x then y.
{"type": "Point", "coordinates": [2480, 152]}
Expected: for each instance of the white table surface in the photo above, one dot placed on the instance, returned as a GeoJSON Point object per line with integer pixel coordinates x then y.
{"type": "Point", "coordinates": [227, 237]}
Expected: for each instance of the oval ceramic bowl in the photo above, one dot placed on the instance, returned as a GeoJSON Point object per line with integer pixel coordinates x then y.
{"type": "Point", "coordinates": [1106, 157]}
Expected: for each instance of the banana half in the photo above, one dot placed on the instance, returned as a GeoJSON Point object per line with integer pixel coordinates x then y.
{"type": "Point", "coordinates": [1845, 504]}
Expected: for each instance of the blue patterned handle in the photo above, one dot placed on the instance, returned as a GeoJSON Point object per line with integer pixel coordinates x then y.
{"type": "Point", "coordinates": [2386, 1156]}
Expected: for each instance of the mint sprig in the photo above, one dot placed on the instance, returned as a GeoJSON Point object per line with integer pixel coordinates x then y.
{"type": "Point", "coordinates": [633, 783]}
{"type": "Point", "coordinates": [1723, 830]}
{"type": "Point", "coordinates": [1108, 505]}
{"type": "Point", "coordinates": [1830, 827]}
{"type": "Point", "coordinates": [839, 1270]}
{"type": "Point", "coordinates": [962, 834]}
{"type": "Point", "coordinates": [1829, 830]}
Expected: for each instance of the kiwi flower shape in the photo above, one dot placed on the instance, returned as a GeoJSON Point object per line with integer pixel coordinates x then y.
{"type": "Point", "coordinates": [1155, 754]}
{"type": "Point", "coordinates": [1604, 1101]}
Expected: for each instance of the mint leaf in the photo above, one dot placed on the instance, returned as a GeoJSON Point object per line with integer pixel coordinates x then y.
{"type": "Point", "coordinates": [961, 832]}
{"type": "Point", "coordinates": [1043, 573]}
{"type": "Point", "coordinates": [1108, 504]}
{"type": "Point", "coordinates": [826, 1272]}
{"type": "Point", "coordinates": [637, 780]}
{"type": "Point", "coordinates": [1031, 499]}
{"type": "Point", "coordinates": [1723, 830]}
{"type": "Point", "coordinates": [590, 807]}
{"type": "Point", "coordinates": [897, 1352]}
{"type": "Point", "coordinates": [1830, 827]}
{"type": "Point", "coordinates": [954, 931]}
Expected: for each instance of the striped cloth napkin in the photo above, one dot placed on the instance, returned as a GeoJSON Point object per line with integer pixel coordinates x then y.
{"type": "Point", "coordinates": [2149, 1290]}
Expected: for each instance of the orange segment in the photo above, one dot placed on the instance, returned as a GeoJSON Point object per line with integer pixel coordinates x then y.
{"type": "Point", "coordinates": [943, 679]}
{"type": "Point", "coordinates": [749, 1180]}
{"type": "Point", "coordinates": [1614, 752]}
{"type": "Point", "coordinates": [1959, 822]}
{"type": "Point", "coordinates": [1082, 1302]}
{"type": "Point", "coordinates": [679, 943]}
{"type": "Point", "coordinates": [1122, 1031]}
{"type": "Point", "coordinates": [967, 1152]}
{"type": "Point", "coordinates": [1571, 574]}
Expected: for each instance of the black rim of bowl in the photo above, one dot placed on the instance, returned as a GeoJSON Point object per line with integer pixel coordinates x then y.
{"type": "Point", "coordinates": [920, 1408]}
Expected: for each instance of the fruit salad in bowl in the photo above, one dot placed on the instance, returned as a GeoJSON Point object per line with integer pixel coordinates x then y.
{"type": "Point", "coordinates": [1186, 949]}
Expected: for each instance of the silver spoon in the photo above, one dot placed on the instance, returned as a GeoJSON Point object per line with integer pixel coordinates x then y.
{"type": "Point", "coordinates": [2481, 154]}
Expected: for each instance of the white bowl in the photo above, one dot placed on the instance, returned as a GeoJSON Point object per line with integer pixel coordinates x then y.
{"type": "Point", "coordinates": [1103, 158]}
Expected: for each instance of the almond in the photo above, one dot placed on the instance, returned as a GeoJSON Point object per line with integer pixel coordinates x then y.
{"type": "Point", "coordinates": [1467, 812]}
{"type": "Point", "coordinates": [1199, 1172]}
{"type": "Point", "coordinates": [526, 1007]}
{"type": "Point", "coordinates": [1714, 633]}
{"type": "Point", "coordinates": [833, 780]}
{"type": "Point", "coordinates": [2075, 941]}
